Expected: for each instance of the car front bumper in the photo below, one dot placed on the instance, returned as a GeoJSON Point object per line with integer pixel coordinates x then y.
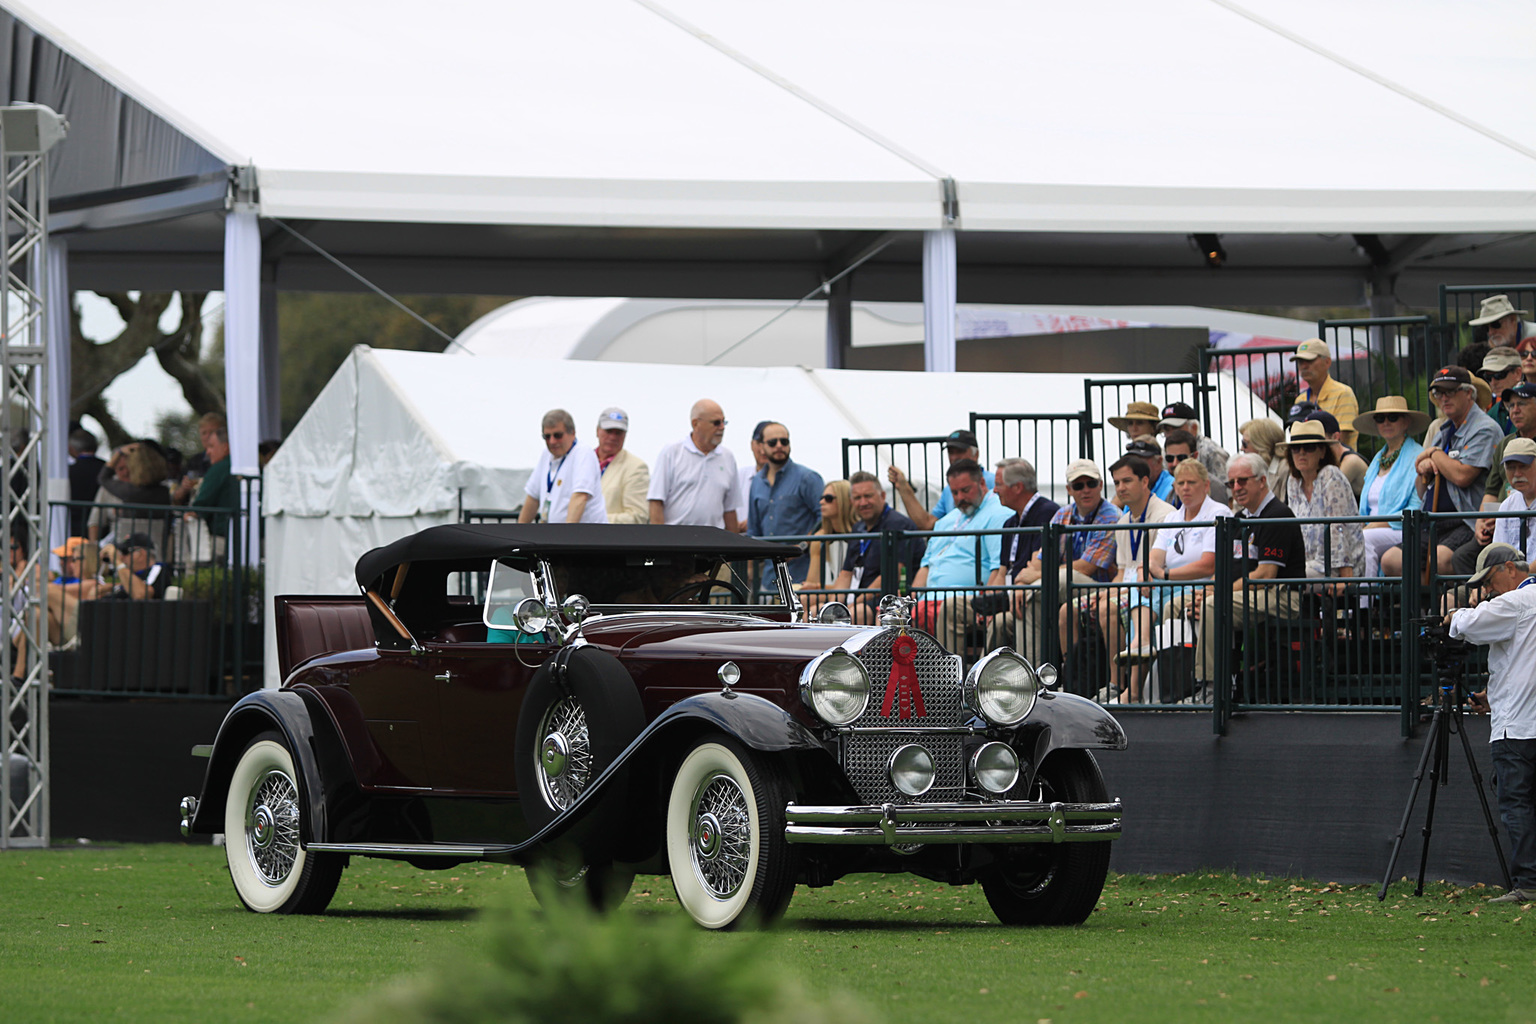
{"type": "Point", "coordinates": [1018, 821]}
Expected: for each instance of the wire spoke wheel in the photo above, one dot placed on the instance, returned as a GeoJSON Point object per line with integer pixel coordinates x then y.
{"type": "Point", "coordinates": [565, 753]}
{"type": "Point", "coordinates": [272, 826]}
{"type": "Point", "coordinates": [721, 836]}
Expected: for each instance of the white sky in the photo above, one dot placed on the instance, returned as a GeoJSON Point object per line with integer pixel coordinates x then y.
{"type": "Point", "coordinates": [145, 393]}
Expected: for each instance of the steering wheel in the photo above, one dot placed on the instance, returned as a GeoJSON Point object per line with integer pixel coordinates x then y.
{"type": "Point", "coordinates": [703, 587]}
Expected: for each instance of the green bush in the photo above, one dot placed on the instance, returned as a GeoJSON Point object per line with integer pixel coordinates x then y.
{"type": "Point", "coordinates": [216, 584]}
{"type": "Point", "coordinates": [570, 964]}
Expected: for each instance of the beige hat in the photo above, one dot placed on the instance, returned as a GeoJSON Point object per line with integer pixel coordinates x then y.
{"type": "Point", "coordinates": [1521, 450]}
{"type": "Point", "coordinates": [1365, 423]}
{"type": "Point", "coordinates": [1484, 393]}
{"type": "Point", "coordinates": [1310, 349]}
{"type": "Point", "coordinates": [1082, 468]}
{"type": "Point", "coordinates": [1501, 359]}
{"type": "Point", "coordinates": [1144, 411]}
{"type": "Point", "coordinates": [1495, 307]}
{"type": "Point", "coordinates": [1305, 432]}
{"type": "Point", "coordinates": [1493, 556]}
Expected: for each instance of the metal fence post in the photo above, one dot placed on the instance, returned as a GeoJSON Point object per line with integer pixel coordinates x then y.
{"type": "Point", "coordinates": [1050, 594]}
{"type": "Point", "coordinates": [890, 561]}
{"type": "Point", "coordinates": [1414, 523]}
{"type": "Point", "coordinates": [1221, 596]}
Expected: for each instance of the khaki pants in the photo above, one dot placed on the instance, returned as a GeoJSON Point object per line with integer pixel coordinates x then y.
{"type": "Point", "coordinates": [1023, 633]}
{"type": "Point", "coordinates": [1250, 605]}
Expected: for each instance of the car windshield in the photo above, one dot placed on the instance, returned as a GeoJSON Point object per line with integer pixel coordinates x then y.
{"type": "Point", "coordinates": [506, 587]}
{"type": "Point", "coordinates": [640, 579]}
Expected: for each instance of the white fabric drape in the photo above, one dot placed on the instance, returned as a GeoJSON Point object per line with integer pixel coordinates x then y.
{"type": "Point", "coordinates": [939, 301]}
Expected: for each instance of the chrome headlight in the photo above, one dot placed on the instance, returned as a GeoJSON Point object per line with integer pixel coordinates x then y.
{"type": "Point", "coordinates": [835, 686]}
{"type": "Point", "coordinates": [995, 767]}
{"type": "Point", "coordinates": [1002, 687]}
{"type": "Point", "coordinates": [911, 769]}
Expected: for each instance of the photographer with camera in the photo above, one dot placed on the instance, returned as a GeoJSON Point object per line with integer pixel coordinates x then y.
{"type": "Point", "coordinates": [1506, 624]}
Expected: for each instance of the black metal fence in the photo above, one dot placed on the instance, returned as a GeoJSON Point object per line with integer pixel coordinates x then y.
{"type": "Point", "coordinates": [182, 617]}
{"type": "Point", "coordinates": [1050, 441]}
{"type": "Point", "coordinates": [922, 460]}
{"type": "Point", "coordinates": [1460, 304]}
{"type": "Point", "coordinates": [1105, 398]}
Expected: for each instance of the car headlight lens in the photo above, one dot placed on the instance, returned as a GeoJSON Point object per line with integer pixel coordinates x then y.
{"type": "Point", "coordinates": [911, 769]}
{"type": "Point", "coordinates": [836, 687]}
{"type": "Point", "coordinates": [995, 767]}
{"type": "Point", "coordinates": [1002, 687]}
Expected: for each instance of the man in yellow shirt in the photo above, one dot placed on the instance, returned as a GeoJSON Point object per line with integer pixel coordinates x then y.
{"type": "Point", "coordinates": [1312, 363]}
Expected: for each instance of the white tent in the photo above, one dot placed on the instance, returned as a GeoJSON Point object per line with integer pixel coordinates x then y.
{"type": "Point", "coordinates": [398, 441]}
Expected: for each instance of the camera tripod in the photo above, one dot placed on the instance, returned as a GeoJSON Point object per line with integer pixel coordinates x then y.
{"type": "Point", "coordinates": [1437, 749]}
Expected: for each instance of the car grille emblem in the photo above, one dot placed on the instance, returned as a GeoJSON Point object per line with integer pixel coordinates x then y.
{"type": "Point", "coordinates": [902, 688]}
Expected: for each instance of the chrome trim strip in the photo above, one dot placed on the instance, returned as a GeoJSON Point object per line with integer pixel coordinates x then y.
{"type": "Point", "coordinates": [911, 730]}
{"type": "Point", "coordinates": [403, 850]}
{"type": "Point", "coordinates": [1016, 821]}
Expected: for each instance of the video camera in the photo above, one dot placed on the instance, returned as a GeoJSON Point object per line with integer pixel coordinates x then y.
{"type": "Point", "coordinates": [1448, 653]}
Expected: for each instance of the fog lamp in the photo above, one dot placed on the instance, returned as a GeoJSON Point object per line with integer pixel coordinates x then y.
{"type": "Point", "coordinates": [995, 767]}
{"type": "Point", "coordinates": [911, 770]}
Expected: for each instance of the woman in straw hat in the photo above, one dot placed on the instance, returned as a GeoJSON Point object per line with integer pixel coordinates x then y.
{"type": "Point", "coordinates": [1318, 487]}
{"type": "Point", "coordinates": [1389, 479]}
{"type": "Point", "coordinates": [1140, 420]}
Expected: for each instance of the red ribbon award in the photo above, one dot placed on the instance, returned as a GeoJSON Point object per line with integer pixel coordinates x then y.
{"type": "Point", "coordinates": [902, 686]}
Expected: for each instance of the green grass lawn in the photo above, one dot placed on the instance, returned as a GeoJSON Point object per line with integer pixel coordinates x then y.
{"type": "Point", "coordinates": [156, 933]}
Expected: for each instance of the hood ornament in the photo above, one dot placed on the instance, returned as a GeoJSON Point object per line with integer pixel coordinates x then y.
{"type": "Point", "coordinates": [896, 610]}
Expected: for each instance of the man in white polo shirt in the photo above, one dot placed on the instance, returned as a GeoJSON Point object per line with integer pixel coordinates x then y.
{"type": "Point", "coordinates": [566, 486]}
{"type": "Point", "coordinates": [695, 482]}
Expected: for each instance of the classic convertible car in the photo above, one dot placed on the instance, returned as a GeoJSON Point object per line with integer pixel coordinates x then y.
{"type": "Point", "coordinates": [596, 701]}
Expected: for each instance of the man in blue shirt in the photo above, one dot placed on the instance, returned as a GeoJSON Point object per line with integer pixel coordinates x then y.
{"type": "Point", "coordinates": [961, 444]}
{"type": "Point", "coordinates": [956, 566]}
{"type": "Point", "coordinates": [785, 497]}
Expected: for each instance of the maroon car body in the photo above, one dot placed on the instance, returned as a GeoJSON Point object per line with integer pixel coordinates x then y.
{"type": "Point", "coordinates": [721, 740]}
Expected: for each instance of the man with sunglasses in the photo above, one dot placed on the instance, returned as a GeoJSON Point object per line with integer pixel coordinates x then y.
{"type": "Point", "coordinates": [784, 499]}
{"type": "Point", "coordinates": [695, 482]}
{"type": "Point", "coordinates": [566, 486]}
{"type": "Point", "coordinates": [1179, 445]}
{"type": "Point", "coordinates": [1501, 369]}
{"type": "Point", "coordinates": [1503, 321]}
{"type": "Point", "coordinates": [1273, 551]}
{"type": "Point", "coordinates": [1454, 469]}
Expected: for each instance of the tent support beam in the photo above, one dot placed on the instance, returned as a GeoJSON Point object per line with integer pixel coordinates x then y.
{"type": "Point", "coordinates": [939, 274]}
{"type": "Point", "coordinates": [242, 336]}
{"type": "Point", "coordinates": [839, 321]}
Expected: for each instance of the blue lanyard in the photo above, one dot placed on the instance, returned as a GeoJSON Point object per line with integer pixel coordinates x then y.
{"type": "Point", "coordinates": [1138, 535]}
{"type": "Point", "coordinates": [1525, 582]}
{"type": "Point", "coordinates": [1080, 539]}
{"type": "Point", "coordinates": [549, 478]}
{"type": "Point", "coordinates": [864, 544]}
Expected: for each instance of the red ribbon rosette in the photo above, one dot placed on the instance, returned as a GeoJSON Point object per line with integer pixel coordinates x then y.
{"type": "Point", "coordinates": [901, 688]}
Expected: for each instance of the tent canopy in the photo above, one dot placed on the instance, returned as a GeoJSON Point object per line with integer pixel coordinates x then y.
{"type": "Point", "coordinates": [625, 146]}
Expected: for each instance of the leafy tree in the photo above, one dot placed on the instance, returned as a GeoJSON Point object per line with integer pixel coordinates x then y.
{"type": "Point", "coordinates": [318, 329]}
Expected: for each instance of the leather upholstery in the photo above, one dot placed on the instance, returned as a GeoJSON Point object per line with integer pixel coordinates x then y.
{"type": "Point", "coordinates": [311, 626]}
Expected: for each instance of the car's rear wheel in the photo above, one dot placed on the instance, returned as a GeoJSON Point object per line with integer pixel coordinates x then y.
{"type": "Point", "coordinates": [1053, 884]}
{"type": "Point", "coordinates": [726, 850]}
{"type": "Point", "coordinates": [263, 820]}
{"type": "Point", "coordinates": [562, 874]}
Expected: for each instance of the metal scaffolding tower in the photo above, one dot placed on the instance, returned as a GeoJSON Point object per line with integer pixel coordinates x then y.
{"type": "Point", "coordinates": [27, 132]}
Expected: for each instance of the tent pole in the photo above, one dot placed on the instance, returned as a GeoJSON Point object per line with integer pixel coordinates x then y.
{"type": "Point", "coordinates": [270, 418]}
{"type": "Point", "coordinates": [839, 321]}
{"type": "Point", "coordinates": [939, 273]}
{"type": "Point", "coordinates": [57, 324]}
{"type": "Point", "coordinates": [242, 336]}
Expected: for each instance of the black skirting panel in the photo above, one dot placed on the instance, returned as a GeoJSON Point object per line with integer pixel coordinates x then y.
{"type": "Point", "coordinates": [1311, 795]}
{"type": "Point", "coordinates": [1305, 794]}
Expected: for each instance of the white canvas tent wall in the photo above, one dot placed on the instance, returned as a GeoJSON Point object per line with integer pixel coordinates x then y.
{"type": "Point", "coordinates": [398, 441]}
{"type": "Point", "coordinates": [644, 147]}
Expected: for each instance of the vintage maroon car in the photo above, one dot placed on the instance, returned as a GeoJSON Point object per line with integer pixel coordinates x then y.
{"type": "Point", "coordinates": [596, 701]}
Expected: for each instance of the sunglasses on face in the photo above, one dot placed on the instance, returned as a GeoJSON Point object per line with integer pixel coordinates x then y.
{"type": "Point", "coordinates": [1235, 482]}
{"type": "Point", "coordinates": [827, 499]}
{"type": "Point", "coordinates": [1174, 460]}
{"type": "Point", "coordinates": [1387, 417]}
{"type": "Point", "coordinates": [777, 442]}
{"type": "Point", "coordinates": [1083, 483]}
{"type": "Point", "coordinates": [554, 435]}
{"type": "Point", "coordinates": [1305, 449]}
{"type": "Point", "coordinates": [1443, 392]}
{"type": "Point", "coordinates": [716, 423]}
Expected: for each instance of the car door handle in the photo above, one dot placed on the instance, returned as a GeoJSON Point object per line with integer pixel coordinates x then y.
{"type": "Point", "coordinates": [446, 677]}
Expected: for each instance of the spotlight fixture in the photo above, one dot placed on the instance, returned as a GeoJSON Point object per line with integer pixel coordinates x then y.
{"type": "Point", "coordinates": [1210, 248]}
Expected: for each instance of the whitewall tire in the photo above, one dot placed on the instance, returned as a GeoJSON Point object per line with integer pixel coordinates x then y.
{"type": "Point", "coordinates": [263, 816]}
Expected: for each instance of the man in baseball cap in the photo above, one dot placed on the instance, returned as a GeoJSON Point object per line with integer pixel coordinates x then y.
{"type": "Point", "coordinates": [1149, 451]}
{"type": "Point", "coordinates": [1501, 369]}
{"type": "Point", "coordinates": [1519, 453]}
{"type": "Point", "coordinates": [1313, 361]}
{"type": "Point", "coordinates": [1181, 417]}
{"type": "Point", "coordinates": [960, 444]}
{"type": "Point", "coordinates": [625, 476]}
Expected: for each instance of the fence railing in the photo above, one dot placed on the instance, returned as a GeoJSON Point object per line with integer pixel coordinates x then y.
{"type": "Point", "coordinates": [180, 617]}
{"type": "Point", "coordinates": [1460, 303]}
{"type": "Point", "coordinates": [1340, 642]}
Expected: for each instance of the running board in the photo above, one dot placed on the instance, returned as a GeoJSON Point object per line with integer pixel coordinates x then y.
{"type": "Point", "coordinates": [460, 850]}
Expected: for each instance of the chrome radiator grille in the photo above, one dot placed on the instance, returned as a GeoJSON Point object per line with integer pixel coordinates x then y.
{"type": "Point", "coordinates": [865, 757]}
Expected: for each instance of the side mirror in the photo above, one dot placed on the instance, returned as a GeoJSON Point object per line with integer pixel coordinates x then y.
{"type": "Point", "coordinates": [834, 613]}
{"type": "Point", "coordinates": [575, 609]}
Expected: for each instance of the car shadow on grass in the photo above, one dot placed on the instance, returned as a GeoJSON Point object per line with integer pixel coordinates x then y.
{"type": "Point", "coordinates": [843, 924]}
{"type": "Point", "coordinates": [407, 914]}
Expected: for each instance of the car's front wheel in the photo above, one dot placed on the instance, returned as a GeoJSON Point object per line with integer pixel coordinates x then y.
{"type": "Point", "coordinates": [1053, 884]}
{"type": "Point", "coordinates": [263, 816]}
{"type": "Point", "coordinates": [726, 850]}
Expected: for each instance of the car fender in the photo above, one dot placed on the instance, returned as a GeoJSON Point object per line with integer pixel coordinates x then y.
{"type": "Point", "coordinates": [1066, 720]}
{"type": "Point", "coordinates": [287, 712]}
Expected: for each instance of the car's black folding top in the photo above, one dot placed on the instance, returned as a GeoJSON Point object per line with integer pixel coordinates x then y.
{"type": "Point", "coordinates": [484, 541]}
